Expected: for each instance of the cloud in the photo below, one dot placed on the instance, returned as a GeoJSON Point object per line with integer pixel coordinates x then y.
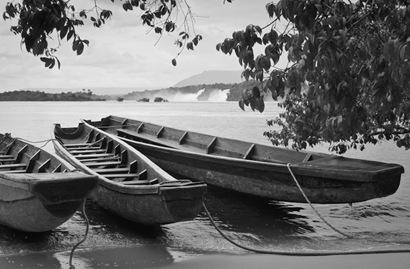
{"type": "Point", "coordinates": [123, 54]}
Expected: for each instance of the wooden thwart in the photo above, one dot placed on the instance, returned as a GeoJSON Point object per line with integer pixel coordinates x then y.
{"type": "Point", "coordinates": [13, 165]}
{"type": "Point", "coordinates": [121, 175]}
{"type": "Point", "coordinates": [112, 170]}
{"type": "Point", "coordinates": [96, 164]}
{"type": "Point", "coordinates": [76, 152]}
{"type": "Point", "coordinates": [101, 159]}
{"type": "Point", "coordinates": [100, 155]}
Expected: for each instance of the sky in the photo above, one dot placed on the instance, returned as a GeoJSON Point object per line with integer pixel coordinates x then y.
{"type": "Point", "coordinates": [122, 54]}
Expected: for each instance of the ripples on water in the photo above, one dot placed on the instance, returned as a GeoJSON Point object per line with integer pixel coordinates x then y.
{"type": "Point", "coordinates": [380, 223]}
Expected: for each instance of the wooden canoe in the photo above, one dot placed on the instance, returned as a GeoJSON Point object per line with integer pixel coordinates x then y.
{"type": "Point", "coordinates": [130, 185]}
{"type": "Point", "coordinates": [37, 190]}
{"type": "Point", "coordinates": [256, 169]}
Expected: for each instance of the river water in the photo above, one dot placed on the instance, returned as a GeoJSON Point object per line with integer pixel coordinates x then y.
{"type": "Point", "coordinates": [377, 224]}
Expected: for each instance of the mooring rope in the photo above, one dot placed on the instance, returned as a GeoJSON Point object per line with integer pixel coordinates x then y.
{"type": "Point", "coordinates": [311, 205]}
{"type": "Point", "coordinates": [298, 253]}
{"type": "Point", "coordinates": [85, 235]}
{"type": "Point", "coordinates": [46, 141]}
{"type": "Point", "coordinates": [303, 253]}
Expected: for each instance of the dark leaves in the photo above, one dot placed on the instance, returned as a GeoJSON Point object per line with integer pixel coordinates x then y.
{"type": "Point", "coordinates": [348, 74]}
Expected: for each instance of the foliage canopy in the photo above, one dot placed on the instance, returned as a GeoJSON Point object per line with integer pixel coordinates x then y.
{"type": "Point", "coordinates": [41, 21]}
{"type": "Point", "coordinates": [348, 77]}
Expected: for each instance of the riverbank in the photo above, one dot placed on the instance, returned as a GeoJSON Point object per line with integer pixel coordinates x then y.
{"type": "Point", "coordinates": [157, 256]}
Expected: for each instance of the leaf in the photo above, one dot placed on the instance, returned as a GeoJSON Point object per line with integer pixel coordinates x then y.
{"type": "Point", "coordinates": [190, 46]}
{"type": "Point", "coordinates": [241, 104]}
{"type": "Point", "coordinates": [271, 8]}
{"type": "Point", "coordinates": [63, 32]}
{"type": "Point", "coordinates": [80, 48]}
{"type": "Point", "coordinates": [169, 26]}
{"type": "Point", "coordinates": [70, 34]}
{"type": "Point", "coordinates": [261, 105]}
{"type": "Point", "coordinates": [174, 62]}
{"type": "Point", "coordinates": [256, 92]}
{"type": "Point", "coordinates": [273, 37]}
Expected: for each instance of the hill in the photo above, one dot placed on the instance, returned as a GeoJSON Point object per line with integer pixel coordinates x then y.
{"type": "Point", "coordinates": [212, 77]}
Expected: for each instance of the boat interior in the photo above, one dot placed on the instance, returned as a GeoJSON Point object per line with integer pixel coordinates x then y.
{"type": "Point", "coordinates": [201, 143]}
{"type": "Point", "coordinates": [106, 157]}
{"type": "Point", "coordinates": [19, 157]}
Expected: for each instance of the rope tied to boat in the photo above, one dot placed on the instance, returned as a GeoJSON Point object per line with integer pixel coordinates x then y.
{"type": "Point", "coordinates": [46, 141]}
{"type": "Point", "coordinates": [305, 253]}
{"type": "Point", "coordinates": [87, 222]}
{"type": "Point", "coordinates": [311, 205]}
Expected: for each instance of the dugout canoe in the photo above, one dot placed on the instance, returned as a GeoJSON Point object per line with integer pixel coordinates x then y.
{"type": "Point", "coordinates": [255, 169]}
{"type": "Point", "coordinates": [130, 185]}
{"type": "Point", "coordinates": [38, 191]}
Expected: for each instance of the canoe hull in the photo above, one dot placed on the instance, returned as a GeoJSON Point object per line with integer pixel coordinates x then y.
{"type": "Point", "coordinates": [41, 202]}
{"type": "Point", "coordinates": [165, 201]}
{"type": "Point", "coordinates": [38, 191]}
{"type": "Point", "coordinates": [265, 180]}
{"type": "Point", "coordinates": [256, 169]}
{"type": "Point", "coordinates": [151, 209]}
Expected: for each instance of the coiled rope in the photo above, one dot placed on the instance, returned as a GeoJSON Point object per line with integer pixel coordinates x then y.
{"type": "Point", "coordinates": [303, 253]}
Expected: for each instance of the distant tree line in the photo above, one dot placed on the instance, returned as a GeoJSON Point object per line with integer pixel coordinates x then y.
{"type": "Point", "coordinates": [42, 96]}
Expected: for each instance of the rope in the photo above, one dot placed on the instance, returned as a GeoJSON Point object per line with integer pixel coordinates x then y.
{"type": "Point", "coordinates": [46, 141]}
{"type": "Point", "coordinates": [310, 204]}
{"type": "Point", "coordinates": [85, 235]}
{"type": "Point", "coordinates": [305, 253]}
{"type": "Point", "coordinates": [95, 142]}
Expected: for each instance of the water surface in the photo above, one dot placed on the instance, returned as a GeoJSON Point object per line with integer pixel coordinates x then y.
{"type": "Point", "coordinates": [377, 224]}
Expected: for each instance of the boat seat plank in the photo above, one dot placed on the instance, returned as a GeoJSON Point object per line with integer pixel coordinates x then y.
{"type": "Point", "coordinates": [77, 145]}
{"type": "Point", "coordinates": [7, 160]}
{"type": "Point", "coordinates": [143, 174]}
{"type": "Point", "coordinates": [249, 152]}
{"type": "Point", "coordinates": [181, 140]}
{"type": "Point", "coordinates": [84, 148]}
{"type": "Point", "coordinates": [112, 170]}
{"type": "Point", "coordinates": [135, 182]}
{"type": "Point", "coordinates": [2, 157]}
{"type": "Point", "coordinates": [121, 175]}
{"type": "Point", "coordinates": [102, 159]}
{"type": "Point", "coordinates": [307, 158]}
{"type": "Point", "coordinates": [14, 171]}
{"type": "Point", "coordinates": [154, 181]}
{"type": "Point", "coordinates": [95, 164]}
{"type": "Point", "coordinates": [13, 165]}
{"type": "Point", "coordinates": [160, 131]}
{"type": "Point", "coordinates": [211, 146]}
{"type": "Point", "coordinates": [76, 152]}
{"type": "Point", "coordinates": [100, 155]}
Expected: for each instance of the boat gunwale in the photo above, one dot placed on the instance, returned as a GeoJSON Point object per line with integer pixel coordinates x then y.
{"type": "Point", "coordinates": [305, 169]}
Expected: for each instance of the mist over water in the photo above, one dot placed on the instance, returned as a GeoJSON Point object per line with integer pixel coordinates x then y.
{"type": "Point", "coordinates": [203, 95]}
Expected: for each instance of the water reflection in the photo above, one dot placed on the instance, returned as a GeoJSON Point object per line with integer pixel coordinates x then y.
{"type": "Point", "coordinates": [262, 218]}
{"type": "Point", "coordinates": [119, 257]}
{"type": "Point", "coordinates": [243, 218]}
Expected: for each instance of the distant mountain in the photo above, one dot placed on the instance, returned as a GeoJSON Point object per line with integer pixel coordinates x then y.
{"type": "Point", "coordinates": [212, 77]}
